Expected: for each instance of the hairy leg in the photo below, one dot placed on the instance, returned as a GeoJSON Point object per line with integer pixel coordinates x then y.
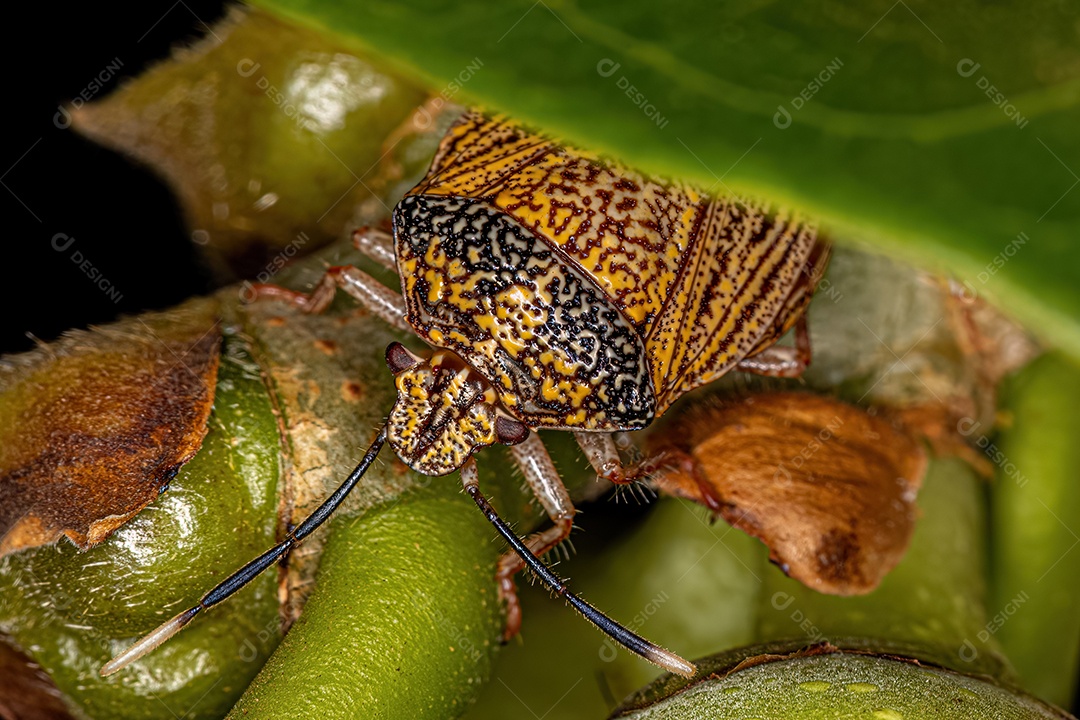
{"type": "Point", "coordinates": [544, 480]}
{"type": "Point", "coordinates": [369, 292]}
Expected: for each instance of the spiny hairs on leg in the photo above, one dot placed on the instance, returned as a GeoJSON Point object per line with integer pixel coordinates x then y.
{"type": "Point", "coordinates": [249, 572]}
{"type": "Point", "coordinates": [629, 640]}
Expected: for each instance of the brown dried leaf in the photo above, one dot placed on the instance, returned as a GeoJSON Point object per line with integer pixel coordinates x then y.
{"type": "Point", "coordinates": [27, 693]}
{"type": "Point", "coordinates": [943, 431]}
{"type": "Point", "coordinates": [93, 426]}
{"type": "Point", "coordinates": [828, 487]}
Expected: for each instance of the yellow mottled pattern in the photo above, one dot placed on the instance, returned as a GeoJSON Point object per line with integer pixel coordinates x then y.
{"type": "Point", "coordinates": [625, 232]}
{"type": "Point", "coordinates": [705, 281]}
{"type": "Point", "coordinates": [508, 318]}
{"type": "Point", "coordinates": [435, 432]}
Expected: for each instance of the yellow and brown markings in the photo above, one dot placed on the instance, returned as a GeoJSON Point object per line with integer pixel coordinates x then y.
{"type": "Point", "coordinates": [558, 350]}
{"type": "Point", "coordinates": [625, 232]}
{"type": "Point", "coordinates": [799, 298]}
{"type": "Point", "coordinates": [733, 293]}
{"type": "Point", "coordinates": [477, 152]}
{"type": "Point", "coordinates": [704, 282]}
{"type": "Point", "coordinates": [443, 414]}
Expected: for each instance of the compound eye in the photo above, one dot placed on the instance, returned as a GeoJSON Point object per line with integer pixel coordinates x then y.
{"type": "Point", "coordinates": [399, 359]}
{"type": "Point", "coordinates": [510, 431]}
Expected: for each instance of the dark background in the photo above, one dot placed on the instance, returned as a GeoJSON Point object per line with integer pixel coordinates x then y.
{"type": "Point", "coordinates": [123, 219]}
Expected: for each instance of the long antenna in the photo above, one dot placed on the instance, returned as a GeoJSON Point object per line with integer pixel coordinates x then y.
{"type": "Point", "coordinates": [249, 572]}
{"type": "Point", "coordinates": [629, 640]}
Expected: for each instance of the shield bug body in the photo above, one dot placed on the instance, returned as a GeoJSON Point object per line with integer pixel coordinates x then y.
{"type": "Point", "coordinates": [558, 291]}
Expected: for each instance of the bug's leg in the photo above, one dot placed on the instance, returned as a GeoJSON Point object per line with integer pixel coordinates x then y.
{"type": "Point", "coordinates": [783, 362]}
{"type": "Point", "coordinates": [544, 480]}
{"type": "Point", "coordinates": [369, 292]}
{"type": "Point", "coordinates": [604, 457]}
{"type": "Point", "coordinates": [377, 243]}
{"type": "Point", "coordinates": [249, 572]}
{"type": "Point", "coordinates": [422, 120]}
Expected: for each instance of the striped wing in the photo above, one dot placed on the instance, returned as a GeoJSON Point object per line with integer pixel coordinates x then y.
{"type": "Point", "coordinates": [743, 282]}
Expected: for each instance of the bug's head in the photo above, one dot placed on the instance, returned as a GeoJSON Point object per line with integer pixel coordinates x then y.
{"type": "Point", "coordinates": [445, 411]}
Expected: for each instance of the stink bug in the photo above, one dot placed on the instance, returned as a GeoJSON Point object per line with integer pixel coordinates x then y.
{"type": "Point", "coordinates": [558, 291]}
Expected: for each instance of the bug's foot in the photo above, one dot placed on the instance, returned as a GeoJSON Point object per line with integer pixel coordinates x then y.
{"type": "Point", "coordinates": [782, 362]}
{"type": "Point", "coordinates": [645, 470]}
{"type": "Point", "coordinates": [677, 473]}
{"type": "Point", "coordinates": [254, 292]}
{"type": "Point", "coordinates": [315, 302]}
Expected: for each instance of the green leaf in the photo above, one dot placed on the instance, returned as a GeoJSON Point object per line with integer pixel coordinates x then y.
{"type": "Point", "coordinates": [944, 133]}
{"type": "Point", "coordinates": [403, 621]}
{"type": "Point", "coordinates": [1035, 603]}
{"type": "Point", "coordinates": [824, 683]}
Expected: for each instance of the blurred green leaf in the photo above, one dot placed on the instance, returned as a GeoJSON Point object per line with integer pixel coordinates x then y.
{"type": "Point", "coordinates": [1035, 604]}
{"type": "Point", "coordinates": [942, 133]}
